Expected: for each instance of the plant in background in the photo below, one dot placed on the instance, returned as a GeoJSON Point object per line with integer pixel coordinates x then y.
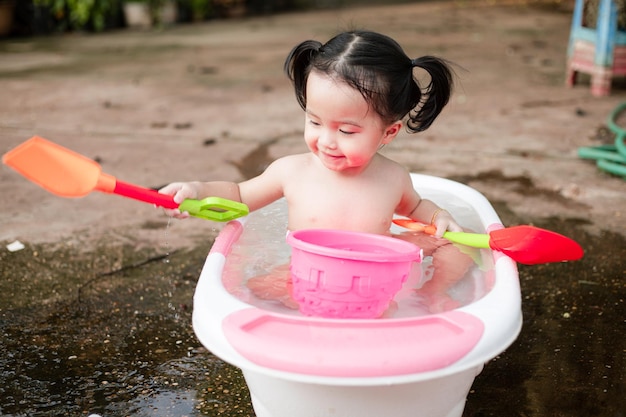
{"type": "Point", "coordinates": [195, 10]}
{"type": "Point", "coordinates": [200, 9]}
{"type": "Point", "coordinates": [155, 11]}
{"type": "Point", "coordinates": [80, 14]}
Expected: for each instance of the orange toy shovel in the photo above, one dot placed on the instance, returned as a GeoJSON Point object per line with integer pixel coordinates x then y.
{"type": "Point", "coordinates": [69, 174]}
{"type": "Point", "coordinates": [524, 244]}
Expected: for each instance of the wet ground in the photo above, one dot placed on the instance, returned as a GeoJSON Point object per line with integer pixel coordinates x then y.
{"type": "Point", "coordinates": [108, 331]}
{"type": "Point", "coordinates": [95, 311]}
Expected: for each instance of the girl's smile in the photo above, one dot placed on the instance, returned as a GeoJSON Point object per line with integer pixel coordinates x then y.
{"type": "Point", "coordinates": [340, 128]}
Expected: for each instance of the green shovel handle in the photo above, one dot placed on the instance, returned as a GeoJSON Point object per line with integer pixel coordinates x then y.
{"type": "Point", "coordinates": [475, 240]}
{"type": "Point", "coordinates": [214, 208]}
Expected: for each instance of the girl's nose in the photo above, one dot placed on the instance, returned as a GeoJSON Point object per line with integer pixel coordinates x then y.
{"type": "Point", "coordinates": [327, 140]}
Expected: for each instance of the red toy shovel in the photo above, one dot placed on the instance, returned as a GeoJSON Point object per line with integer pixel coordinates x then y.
{"type": "Point", "coordinates": [524, 244]}
{"type": "Point", "coordinates": [69, 174]}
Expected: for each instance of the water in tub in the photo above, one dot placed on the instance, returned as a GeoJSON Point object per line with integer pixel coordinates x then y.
{"type": "Point", "coordinates": [261, 254]}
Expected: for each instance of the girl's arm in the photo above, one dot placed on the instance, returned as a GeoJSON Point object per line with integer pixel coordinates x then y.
{"type": "Point", "coordinates": [426, 211]}
{"type": "Point", "coordinates": [266, 188]}
{"type": "Point", "coordinates": [255, 193]}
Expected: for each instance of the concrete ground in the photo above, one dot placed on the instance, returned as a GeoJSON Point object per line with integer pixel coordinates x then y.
{"type": "Point", "coordinates": [190, 102]}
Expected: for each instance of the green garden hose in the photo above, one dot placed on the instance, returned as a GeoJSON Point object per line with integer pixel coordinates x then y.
{"type": "Point", "coordinates": [609, 158]}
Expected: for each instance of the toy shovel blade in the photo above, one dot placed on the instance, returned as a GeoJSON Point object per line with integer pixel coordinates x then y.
{"type": "Point", "coordinates": [56, 169]}
{"type": "Point", "coordinates": [69, 174]}
{"type": "Point", "coordinates": [531, 245]}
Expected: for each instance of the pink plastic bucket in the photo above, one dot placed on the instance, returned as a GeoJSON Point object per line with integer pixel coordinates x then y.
{"type": "Point", "coordinates": [345, 274]}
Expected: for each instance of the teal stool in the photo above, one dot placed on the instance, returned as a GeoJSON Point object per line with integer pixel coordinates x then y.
{"type": "Point", "coordinates": [600, 51]}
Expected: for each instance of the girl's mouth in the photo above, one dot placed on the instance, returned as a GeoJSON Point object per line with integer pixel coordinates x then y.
{"type": "Point", "coordinates": [331, 161]}
{"type": "Point", "coordinates": [331, 156]}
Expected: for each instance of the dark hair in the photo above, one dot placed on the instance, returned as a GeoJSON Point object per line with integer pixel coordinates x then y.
{"type": "Point", "coordinates": [376, 66]}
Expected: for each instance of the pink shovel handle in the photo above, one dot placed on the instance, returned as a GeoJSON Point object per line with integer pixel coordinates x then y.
{"type": "Point", "coordinates": [144, 194]}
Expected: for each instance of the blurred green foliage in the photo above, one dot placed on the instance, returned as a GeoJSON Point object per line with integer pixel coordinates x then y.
{"type": "Point", "coordinates": [80, 14]}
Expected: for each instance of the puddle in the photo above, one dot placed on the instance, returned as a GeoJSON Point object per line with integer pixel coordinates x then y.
{"type": "Point", "coordinates": [108, 331]}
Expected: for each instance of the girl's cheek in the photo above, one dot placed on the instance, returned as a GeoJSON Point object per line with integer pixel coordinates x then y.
{"type": "Point", "coordinates": [354, 156]}
{"type": "Point", "coordinates": [310, 141]}
{"type": "Point", "coordinates": [309, 133]}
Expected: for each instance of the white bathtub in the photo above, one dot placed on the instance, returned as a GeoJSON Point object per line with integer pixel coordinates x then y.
{"type": "Point", "coordinates": [412, 363]}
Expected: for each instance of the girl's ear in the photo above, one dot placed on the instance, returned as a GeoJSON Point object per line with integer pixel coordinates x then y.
{"type": "Point", "coordinates": [392, 131]}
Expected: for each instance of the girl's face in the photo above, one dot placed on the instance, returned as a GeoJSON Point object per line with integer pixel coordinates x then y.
{"type": "Point", "coordinates": [340, 128]}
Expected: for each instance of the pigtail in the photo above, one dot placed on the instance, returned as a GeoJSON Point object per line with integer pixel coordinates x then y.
{"type": "Point", "coordinates": [297, 67]}
{"type": "Point", "coordinates": [433, 98]}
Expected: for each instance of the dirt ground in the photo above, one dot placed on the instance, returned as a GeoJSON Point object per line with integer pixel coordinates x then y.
{"type": "Point", "coordinates": [210, 101]}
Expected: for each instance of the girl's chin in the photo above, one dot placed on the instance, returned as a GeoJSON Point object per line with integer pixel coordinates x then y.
{"type": "Point", "coordinates": [342, 168]}
{"type": "Point", "coordinates": [336, 163]}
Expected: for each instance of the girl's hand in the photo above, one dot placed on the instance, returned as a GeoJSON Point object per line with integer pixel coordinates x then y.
{"type": "Point", "coordinates": [444, 221]}
{"type": "Point", "coordinates": [180, 191]}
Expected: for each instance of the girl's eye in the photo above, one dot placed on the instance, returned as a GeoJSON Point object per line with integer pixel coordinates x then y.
{"type": "Point", "coordinates": [345, 132]}
{"type": "Point", "coordinates": [314, 123]}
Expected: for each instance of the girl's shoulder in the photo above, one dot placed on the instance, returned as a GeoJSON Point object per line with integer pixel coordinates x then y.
{"type": "Point", "coordinates": [392, 172]}
{"type": "Point", "coordinates": [292, 161]}
{"type": "Point", "coordinates": [390, 166]}
{"type": "Point", "coordinates": [287, 165]}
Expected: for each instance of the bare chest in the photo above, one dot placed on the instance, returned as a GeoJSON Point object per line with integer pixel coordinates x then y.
{"type": "Point", "coordinates": [349, 205]}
